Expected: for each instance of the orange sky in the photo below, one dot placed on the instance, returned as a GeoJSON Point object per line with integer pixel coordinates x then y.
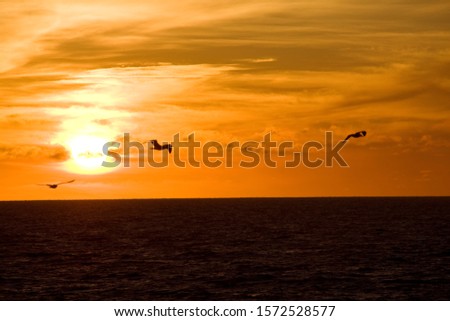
{"type": "Point", "coordinates": [73, 76]}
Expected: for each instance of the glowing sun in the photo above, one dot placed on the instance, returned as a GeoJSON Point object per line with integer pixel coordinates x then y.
{"type": "Point", "coordinates": [86, 155]}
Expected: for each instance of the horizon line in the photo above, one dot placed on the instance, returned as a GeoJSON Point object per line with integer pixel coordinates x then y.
{"type": "Point", "coordinates": [224, 198]}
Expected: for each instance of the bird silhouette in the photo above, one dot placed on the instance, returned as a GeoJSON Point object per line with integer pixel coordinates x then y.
{"type": "Point", "coordinates": [357, 135]}
{"type": "Point", "coordinates": [53, 186]}
{"type": "Point", "coordinates": [157, 146]}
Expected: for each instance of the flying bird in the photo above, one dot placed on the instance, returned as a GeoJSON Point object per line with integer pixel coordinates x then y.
{"type": "Point", "coordinates": [357, 135]}
{"type": "Point", "coordinates": [157, 146]}
{"type": "Point", "coordinates": [53, 186]}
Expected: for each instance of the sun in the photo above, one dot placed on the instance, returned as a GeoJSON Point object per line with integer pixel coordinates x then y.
{"type": "Point", "coordinates": [86, 155]}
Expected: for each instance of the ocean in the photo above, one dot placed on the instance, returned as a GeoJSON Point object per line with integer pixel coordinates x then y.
{"type": "Point", "coordinates": [226, 249]}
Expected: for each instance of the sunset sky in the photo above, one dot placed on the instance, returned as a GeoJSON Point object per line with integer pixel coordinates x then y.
{"type": "Point", "coordinates": [74, 75]}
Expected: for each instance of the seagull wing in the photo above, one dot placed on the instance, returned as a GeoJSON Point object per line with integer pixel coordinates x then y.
{"type": "Point", "coordinates": [71, 181]}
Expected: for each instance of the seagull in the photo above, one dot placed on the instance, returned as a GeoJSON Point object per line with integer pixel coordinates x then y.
{"type": "Point", "coordinates": [157, 146]}
{"type": "Point", "coordinates": [53, 186]}
{"type": "Point", "coordinates": [357, 135]}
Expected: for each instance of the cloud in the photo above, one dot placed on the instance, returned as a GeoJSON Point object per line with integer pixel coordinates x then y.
{"type": "Point", "coordinates": [33, 153]}
{"type": "Point", "coordinates": [258, 60]}
{"type": "Point", "coordinates": [27, 122]}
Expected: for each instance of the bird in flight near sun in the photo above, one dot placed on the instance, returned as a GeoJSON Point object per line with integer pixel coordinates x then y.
{"type": "Point", "coordinates": [357, 135]}
{"type": "Point", "coordinates": [157, 146]}
{"type": "Point", "coordinates": [53, 186]}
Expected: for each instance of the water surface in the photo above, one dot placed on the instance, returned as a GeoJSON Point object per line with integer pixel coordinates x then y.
{"type": "Point", "coordinates": [226, 249]}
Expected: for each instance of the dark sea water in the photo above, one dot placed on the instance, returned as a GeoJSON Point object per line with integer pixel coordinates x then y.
{"type": "Point", "coordinates": [226, 249]}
